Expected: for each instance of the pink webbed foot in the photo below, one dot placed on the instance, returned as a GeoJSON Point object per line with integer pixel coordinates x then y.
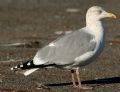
{"type": "Point", "coordinates": [83, 87]}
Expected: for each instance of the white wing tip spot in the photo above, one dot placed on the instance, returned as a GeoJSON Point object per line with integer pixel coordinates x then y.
{"type": "Point", "coordinates": [28, 64]}
{"type": "Point", "coordinates": [12, 68]}
{"type": "Point", "coordinates": [16, 67]}
{"type": "Point", "coordinates": [21, 65]}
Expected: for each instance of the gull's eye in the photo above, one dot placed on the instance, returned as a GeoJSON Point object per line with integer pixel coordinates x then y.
{"type": "Point", "coordinates": [99, 11]}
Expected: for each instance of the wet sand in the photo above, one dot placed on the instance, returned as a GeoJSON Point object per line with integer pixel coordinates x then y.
{"type": "Point", "coordinates": [34, 23]}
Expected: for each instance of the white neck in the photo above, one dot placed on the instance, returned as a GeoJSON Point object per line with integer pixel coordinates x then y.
{"type": "Point", "coordinates": [96, 28]}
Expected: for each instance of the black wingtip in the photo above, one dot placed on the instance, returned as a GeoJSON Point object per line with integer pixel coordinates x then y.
{"type": "Point", "coordinates": [29, 65]}
{"type": "Point", "coordinates": [23, 66]}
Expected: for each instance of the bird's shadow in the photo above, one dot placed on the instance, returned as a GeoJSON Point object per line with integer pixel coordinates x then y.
{"type": "Point", "coordinates": [97, 81]}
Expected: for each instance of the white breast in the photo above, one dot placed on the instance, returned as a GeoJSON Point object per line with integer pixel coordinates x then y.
{"type": "Point", "coordinates": [89, 57]}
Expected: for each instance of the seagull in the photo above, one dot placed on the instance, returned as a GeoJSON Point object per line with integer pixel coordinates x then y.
{"type": "Point", "coordinates": [73, 50]}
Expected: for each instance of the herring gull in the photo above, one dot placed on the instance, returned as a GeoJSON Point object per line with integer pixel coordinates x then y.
{"type": "Point", "coordinates": [73, 50]}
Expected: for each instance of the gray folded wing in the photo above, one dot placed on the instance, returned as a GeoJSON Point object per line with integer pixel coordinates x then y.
{"type": "Point", "coordinates": [65, 49]}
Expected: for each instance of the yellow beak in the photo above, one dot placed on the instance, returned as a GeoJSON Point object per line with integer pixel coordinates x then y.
{"type": "Point", "coordinates": [111, 15]}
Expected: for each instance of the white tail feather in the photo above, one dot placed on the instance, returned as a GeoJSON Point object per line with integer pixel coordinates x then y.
{"type": "Point", "coordinates": [28, 72]}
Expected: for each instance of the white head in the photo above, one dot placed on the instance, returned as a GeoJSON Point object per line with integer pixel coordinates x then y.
{"type": "Point", "coordinates": [96, 13]}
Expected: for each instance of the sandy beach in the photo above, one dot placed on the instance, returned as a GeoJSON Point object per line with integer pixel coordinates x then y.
{"type": "Point", "coordinates": [27, 25]}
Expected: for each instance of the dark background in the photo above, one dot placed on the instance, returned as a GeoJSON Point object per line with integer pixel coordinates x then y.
{"type": "Point", "coordinates": [34, 23]}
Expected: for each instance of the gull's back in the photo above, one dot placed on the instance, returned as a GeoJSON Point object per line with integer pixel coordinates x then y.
{"type": "Point", "coordinates": [65, 49]}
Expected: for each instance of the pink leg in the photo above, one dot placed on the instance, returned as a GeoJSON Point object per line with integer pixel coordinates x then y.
{"type": "Point", "coordinates": [73, 77]}
{"type": "Point", "coordinates": [79, 81]}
